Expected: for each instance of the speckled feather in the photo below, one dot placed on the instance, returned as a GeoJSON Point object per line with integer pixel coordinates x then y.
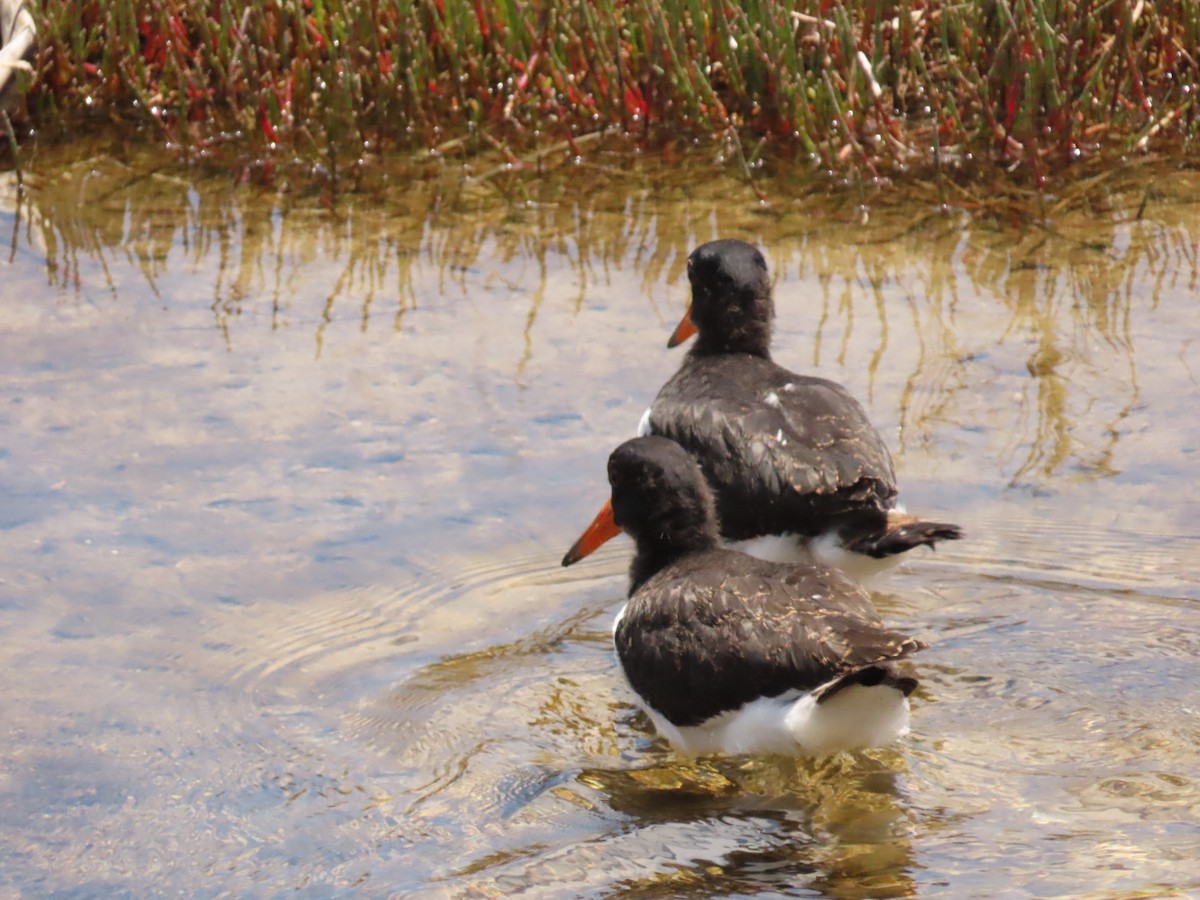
{"type": "Point", "coordinates": [805, 460]}
{"type": "Point", "coordinates": [714, 614]}
{"type": "Point", "coordinates": [784, 453]}
{"type": "Point", "coordinates": [708, 630]}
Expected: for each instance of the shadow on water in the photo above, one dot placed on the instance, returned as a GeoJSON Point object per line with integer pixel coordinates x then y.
{"type": "Point", "coordinates": [284, 491]}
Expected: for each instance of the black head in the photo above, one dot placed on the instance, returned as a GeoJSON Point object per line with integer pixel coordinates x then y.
{"type": "Point", "coordinates": [661, 500]}
{"type": "Point", "coordinates": [731, 298]}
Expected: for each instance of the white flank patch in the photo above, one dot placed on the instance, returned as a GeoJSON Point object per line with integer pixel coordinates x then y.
{"type": "Point", "coordinates": [784, 548]}
{"type": "Point", "coordinates": [827, 549]}
{"type": "Point", "coordinates": [853, 718]}
{"type": "Point", "coordinates": [772, 399]}
{"type": "Point", "coordinates": [643, 429]}
{"type": "Point", "coordinates": [794, 725]}
{"type": "Point", "coordinates": [758, 727]}
{"type": "Point", "coordinates": [617, 620]}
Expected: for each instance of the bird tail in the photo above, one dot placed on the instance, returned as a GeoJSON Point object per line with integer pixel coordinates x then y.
{"type": "Point", "coordinates": [901, 534]}
{"type": "Point", "coordinates": [873, 675]}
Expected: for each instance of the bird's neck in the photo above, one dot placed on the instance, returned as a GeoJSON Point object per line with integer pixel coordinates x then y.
{"type": "Point", "coordinates": [751, 341]}
{"type": "Point", "coordinates": [656, 551]}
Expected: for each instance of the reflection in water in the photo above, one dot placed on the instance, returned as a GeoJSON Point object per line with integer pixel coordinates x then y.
{"type": "Point", "coordinates": [532, 733]}
{"type": "Point", "coordinates": [1059, 302]}
{"type": "Point", "coordinates": [722, 827]}
{"type": "Point", "coordinates": [283, 489]}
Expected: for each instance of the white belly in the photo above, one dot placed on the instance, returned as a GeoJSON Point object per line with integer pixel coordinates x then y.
{"type": "Point", "coordinates": [794, 725]}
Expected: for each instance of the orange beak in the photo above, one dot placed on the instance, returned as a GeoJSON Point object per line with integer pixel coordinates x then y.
{"type": "Point", "coordinates": [602, 529]}
{"type": "Point", "coordinates": [684, 330]}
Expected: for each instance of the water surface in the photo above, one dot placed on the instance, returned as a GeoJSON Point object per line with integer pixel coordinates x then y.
{"type": "Point", "coordinates": [285, 479]}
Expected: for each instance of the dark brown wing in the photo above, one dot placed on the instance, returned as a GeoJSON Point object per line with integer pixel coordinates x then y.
{"type": "Point", "coordinates": [783, 452]}
{"type": "Point", "coordinates": [716, 630]}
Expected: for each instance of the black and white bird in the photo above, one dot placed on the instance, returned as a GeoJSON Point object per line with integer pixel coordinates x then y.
{"type": "Point", "coordinates": [798, 470]}
{"type": "Point", "coordinates": [732, 654]}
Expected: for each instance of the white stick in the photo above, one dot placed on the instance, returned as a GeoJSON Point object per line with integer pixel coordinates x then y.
{"type": "Point", "coordinates": [22, 36]}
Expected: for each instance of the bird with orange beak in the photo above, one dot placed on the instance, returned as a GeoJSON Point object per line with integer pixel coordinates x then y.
{"type": "Point", "coordinates": [732, 654]}
{"type": "Point", "coordinates": [797, 468]}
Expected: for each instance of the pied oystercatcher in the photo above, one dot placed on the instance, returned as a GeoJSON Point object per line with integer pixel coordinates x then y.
{"type": "Point", "coordinates": [732, 654]}
{"type": "Point", "coordinates": [798, 470]}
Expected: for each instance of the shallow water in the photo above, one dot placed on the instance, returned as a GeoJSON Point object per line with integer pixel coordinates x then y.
{"type": "Point", "coordinates": [284, 484]}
